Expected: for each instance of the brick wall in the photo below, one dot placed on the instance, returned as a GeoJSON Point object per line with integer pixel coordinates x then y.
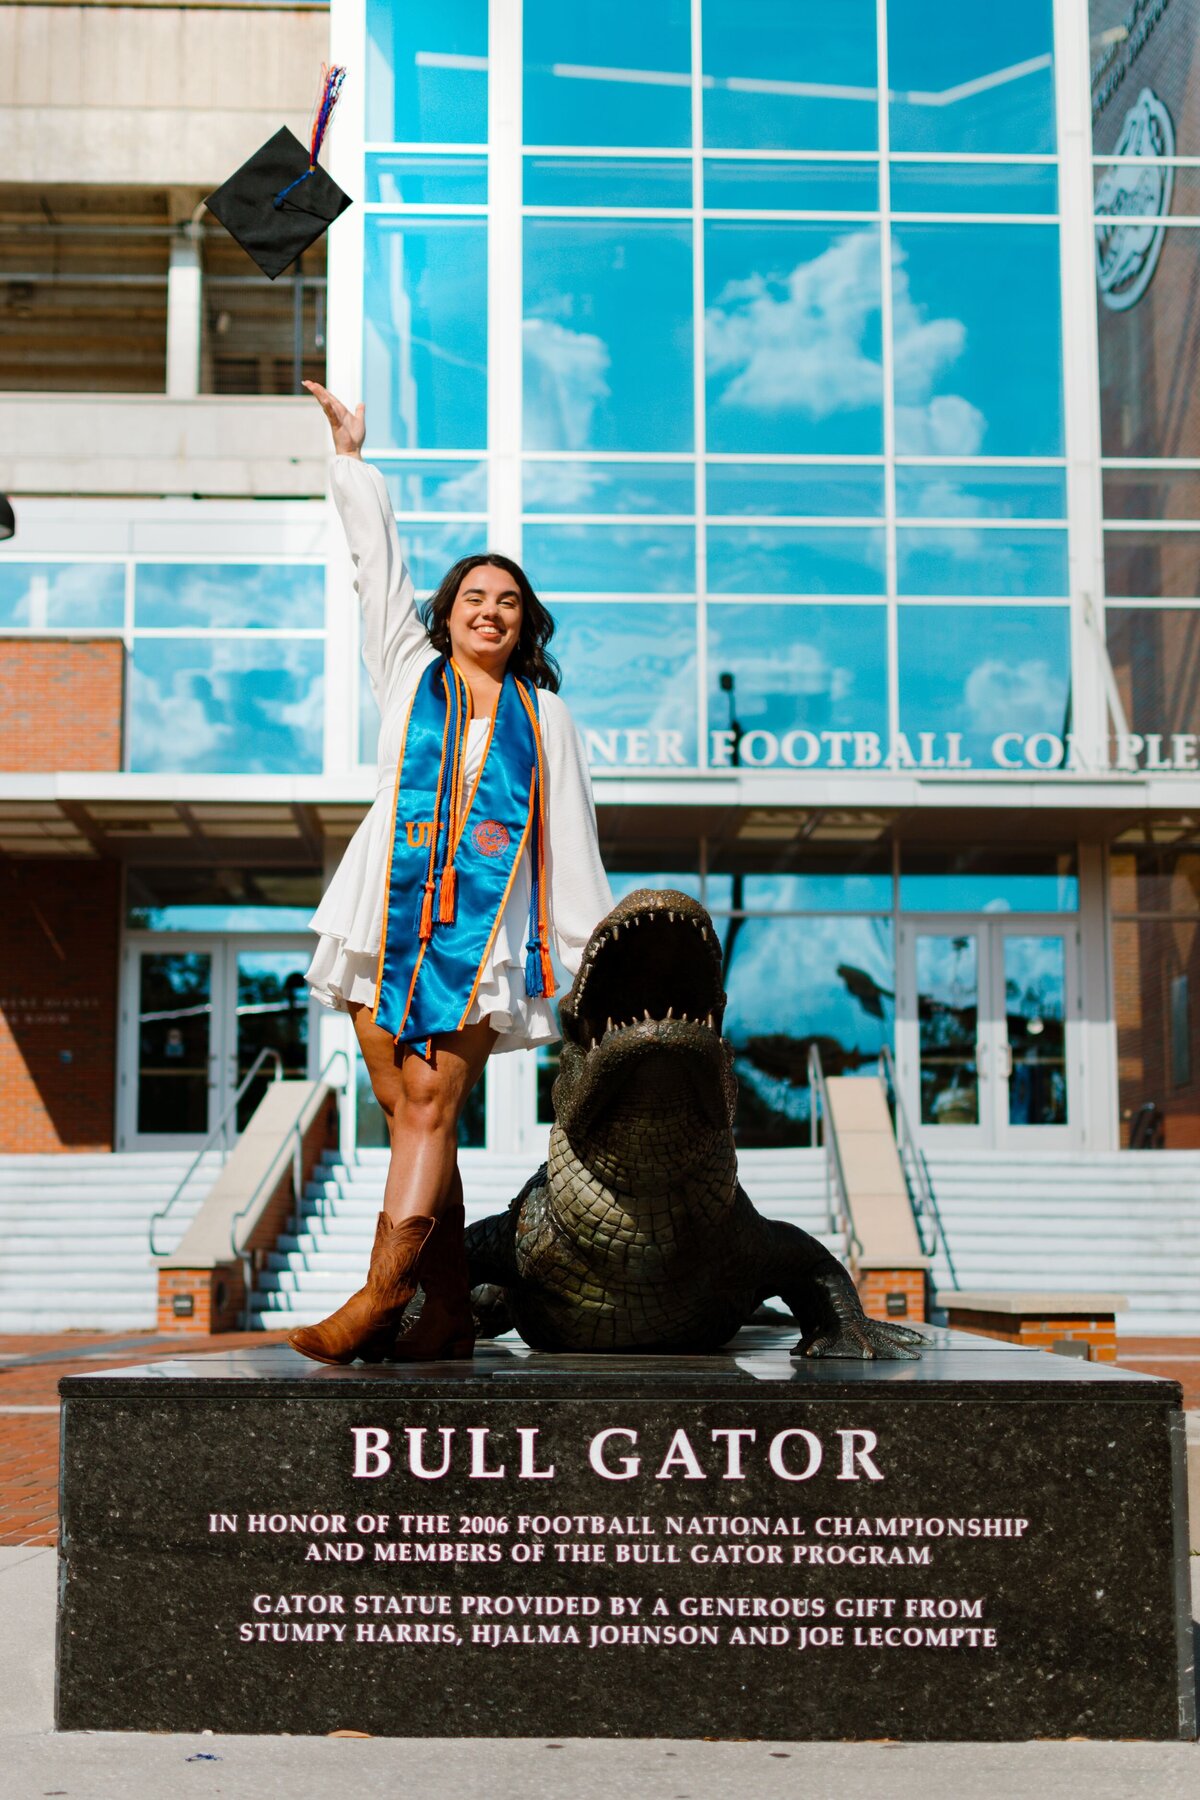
{"type": "Point", "coordinates": [58, 1003]}
{"type": "Point", "coordinates": [904, 1288]}
{"type": "Point", "coordinates": [60, 704]}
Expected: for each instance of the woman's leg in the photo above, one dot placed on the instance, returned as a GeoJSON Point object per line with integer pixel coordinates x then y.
{"type": "Point", "coordinates": [422, 1103]}
{"type": "Point", "coordinates": [419, 1233]}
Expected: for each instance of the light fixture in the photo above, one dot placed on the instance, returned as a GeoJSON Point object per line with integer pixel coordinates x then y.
{"type": "Point", "coordinates": [8, 523]}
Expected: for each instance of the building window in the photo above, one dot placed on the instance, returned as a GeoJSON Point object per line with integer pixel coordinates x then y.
{"type": "Point", "coordinates": [86, 292]}
{"type": "Point", "coordinates": [83, 289]}
{"type": "Point", "coordinates": [260, 336]}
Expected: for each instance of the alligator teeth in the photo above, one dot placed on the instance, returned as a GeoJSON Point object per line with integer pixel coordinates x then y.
{"type": "Point", "coordinates": [671, 916]}
{"type": "Point", "coordinates": [709, 1022]}
{"type": "Point", "coordinates": [616, 933]}
{"type": "Point", "coordinates": [608, 1027]}
{"type": "Point", "coordinates": [704, 932]}
{"type": "Point", "coordinates": [670, 1012]}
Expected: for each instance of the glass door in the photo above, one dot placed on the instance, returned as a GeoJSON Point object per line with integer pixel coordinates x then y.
{"type": "Point", "coordinates": [987, 1034]}
{"type": "Point", "coordinates": [169, 1050]}
{"type": "Point", "coordinates": [269, 1009]}
{"type": "Point", "coordinates": [946, 1057]}
{"type": "Point", "coordinates": [1035, 1035]}
{"type": "Point", "coordinates": [195, 1013]}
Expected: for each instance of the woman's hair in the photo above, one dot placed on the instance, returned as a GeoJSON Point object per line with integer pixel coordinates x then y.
{"type": "Point", "coordinates": [530, 658]}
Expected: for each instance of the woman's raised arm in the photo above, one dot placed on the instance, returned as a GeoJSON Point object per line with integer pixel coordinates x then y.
{"type": "Point", "coordinates": [394, 638]}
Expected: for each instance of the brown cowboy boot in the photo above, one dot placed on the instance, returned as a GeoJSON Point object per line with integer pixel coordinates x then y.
{"type": "Point", "coordinates": [366, 1325]}
{"type": "Point", "coordinates": [444, 1330]}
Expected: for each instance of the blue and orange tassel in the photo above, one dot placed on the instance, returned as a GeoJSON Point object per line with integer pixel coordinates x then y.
{"type": "Point", "coordinates": [539, 966]}
{"type": "Point", "coordinates": [332, 77]}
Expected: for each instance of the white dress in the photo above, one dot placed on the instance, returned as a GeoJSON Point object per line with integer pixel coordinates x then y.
{"type": "Point", "coordinates": [349, 920]}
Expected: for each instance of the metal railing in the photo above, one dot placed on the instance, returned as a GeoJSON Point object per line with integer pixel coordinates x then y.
{"type": "Point", "coordinates": [921, 1198]}
{"type": "Point", "coordinates": [296, 1134]}
{"type": "Point", "coordinates": [1148, 1128]}
{"type": "Point", "coordinates": [839, 1217]}
{"type": "Point", "coordinates": [264, 1055]}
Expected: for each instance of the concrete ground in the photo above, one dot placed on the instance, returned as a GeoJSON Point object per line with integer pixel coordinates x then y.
{"type": "Point", "coordinates": [36, 1762]}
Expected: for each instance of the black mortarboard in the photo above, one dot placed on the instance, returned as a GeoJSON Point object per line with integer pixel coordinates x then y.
{"type": "Point", "coordinates": [281, 200]}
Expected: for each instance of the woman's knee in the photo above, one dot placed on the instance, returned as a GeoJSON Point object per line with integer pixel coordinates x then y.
{"type": "Point", "coordinates": [430, 1096]}
{"type": "Point", "coordinates": [427, 1112]}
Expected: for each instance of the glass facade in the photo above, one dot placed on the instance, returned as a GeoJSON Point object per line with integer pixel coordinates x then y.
{"type": "Point", "coordinates": [784, 382]}
{"type": "Point", "coordinates": [791, 369]}
{"type": "Point", "coordinates": [784, 379]}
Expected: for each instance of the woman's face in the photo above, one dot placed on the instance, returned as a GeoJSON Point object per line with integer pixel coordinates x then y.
{"type": "Point", "coordinates": [485, 620]}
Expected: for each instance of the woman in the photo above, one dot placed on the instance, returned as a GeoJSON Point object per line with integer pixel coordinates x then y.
{"type": "Point", "coordinates": [476, 862]}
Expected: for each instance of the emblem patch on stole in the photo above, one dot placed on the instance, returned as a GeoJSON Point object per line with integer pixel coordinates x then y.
{"type": "Point", "coordinates": [491, 837]}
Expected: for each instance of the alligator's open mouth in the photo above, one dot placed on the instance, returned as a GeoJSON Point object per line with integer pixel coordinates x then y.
{"type": "Point", "coordinates": [652, 968]}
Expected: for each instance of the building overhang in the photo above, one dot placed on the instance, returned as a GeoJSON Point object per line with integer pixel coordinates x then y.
{"type": "Point", "coordinates": [286, 819]}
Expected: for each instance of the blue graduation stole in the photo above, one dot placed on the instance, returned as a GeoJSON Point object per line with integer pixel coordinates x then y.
{"type": "Point", "coordinates": [454, 857]}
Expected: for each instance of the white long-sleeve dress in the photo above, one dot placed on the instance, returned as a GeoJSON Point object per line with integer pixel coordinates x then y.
{"type": "Point", "coordinates": [349, 920]}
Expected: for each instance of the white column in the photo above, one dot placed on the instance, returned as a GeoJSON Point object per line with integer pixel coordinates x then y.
{"type": "Point", "coordinates": [504, 276]}
{"type": "Point", "coordinates": [509, 1078]}
{"type": "Point", "coordinates": [183, 313]}
{"type": "Point", "coordinates": [1100, 1111]}
{"type": "Point", "coordinates": [1081, 375]}
{"type": "Point", "coordinates": [343, 156]}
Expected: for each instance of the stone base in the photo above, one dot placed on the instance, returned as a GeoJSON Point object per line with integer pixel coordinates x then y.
{"type": "Point", "coordinates": [987, 1544]}
{"type": "Point", "coordinates": [1082, 1325]}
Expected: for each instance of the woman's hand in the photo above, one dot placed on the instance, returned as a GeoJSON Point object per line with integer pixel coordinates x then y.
{"type": "Point", "coordinates": [348, 428]}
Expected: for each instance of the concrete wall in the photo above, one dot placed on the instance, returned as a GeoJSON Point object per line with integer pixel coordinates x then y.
{"type": "Point", "coordinates": [148, 444]}
{"type": "Point", "coordinates": [166, 95]}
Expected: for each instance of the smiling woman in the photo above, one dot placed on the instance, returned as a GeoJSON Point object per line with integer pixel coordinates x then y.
{"type": "Point", "coordinates": [476, 869]}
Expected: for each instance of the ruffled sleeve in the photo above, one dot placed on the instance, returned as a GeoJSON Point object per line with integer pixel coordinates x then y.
{"type": "Point", "coordinates": [395, 642]}
{"type": "Point", "coordinates": [579, 892]}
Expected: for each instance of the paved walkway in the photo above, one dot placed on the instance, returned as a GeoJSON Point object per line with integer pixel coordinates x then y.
{"type": "Point", "coordinates": [30, 1368]}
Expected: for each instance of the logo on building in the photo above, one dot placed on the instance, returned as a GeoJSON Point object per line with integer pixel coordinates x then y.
{"type": "Point", "coordinates": [1132, 199]}
{"type": "Point", "coordinates": [491, 837]}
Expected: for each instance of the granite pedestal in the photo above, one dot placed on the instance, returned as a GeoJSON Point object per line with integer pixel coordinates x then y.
{"type": "Point", "coordinates": [986, 1544]}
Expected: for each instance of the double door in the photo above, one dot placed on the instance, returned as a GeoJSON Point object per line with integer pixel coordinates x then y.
{"type": "Point", "coordinates": [988, 1038]}
{"type": "Point", "coordinates": [195, 1012]}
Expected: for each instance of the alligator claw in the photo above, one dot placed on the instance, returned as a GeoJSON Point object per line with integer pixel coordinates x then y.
{"type": "Point", "coordinates": [864, 1340]}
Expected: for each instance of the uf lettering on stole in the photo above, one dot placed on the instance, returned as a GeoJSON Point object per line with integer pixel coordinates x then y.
{"type": "Point", "coordinates": [419, 833]}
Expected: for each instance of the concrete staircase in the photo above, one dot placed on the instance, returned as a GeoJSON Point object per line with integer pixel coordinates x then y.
{"type": "Point", "coordinates": [73, 1236]}
{"type": "Point", "coordinates": [1124, 1222]}
{"type": "Point", "coordinates": [73, 1229]}
{"type": "Point", "coordinates": [323, 1254]}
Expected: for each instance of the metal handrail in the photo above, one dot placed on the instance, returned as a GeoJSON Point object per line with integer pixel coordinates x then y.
{"type": "Point", "coordinates": [266, 1052]}
{"type": "Point", "coordinates": [835, 1175]}
{"type": "Point", "coordinates": [246, 1257]}
{"type": "Point", "coordinates": [917, 1180]}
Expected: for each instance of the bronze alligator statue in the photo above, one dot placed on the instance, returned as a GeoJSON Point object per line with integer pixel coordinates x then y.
{"type": "Point", "coordinates": [635, 1234]}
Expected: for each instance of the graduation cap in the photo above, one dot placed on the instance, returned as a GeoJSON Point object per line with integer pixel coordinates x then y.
{"type": "Point", "coordinates": [281, 200]}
